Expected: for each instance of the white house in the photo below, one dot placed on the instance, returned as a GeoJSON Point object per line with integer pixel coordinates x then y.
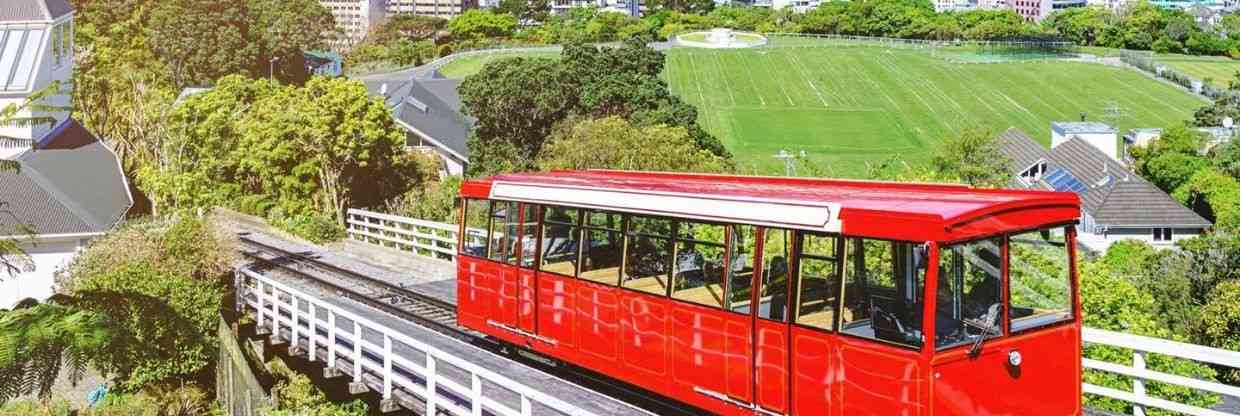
{"type": "Point", "coordinates": [1116, 204]}
{"type": "Point", "coordinates": [70, 187]}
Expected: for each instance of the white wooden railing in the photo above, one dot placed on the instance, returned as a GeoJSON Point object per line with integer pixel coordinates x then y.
{"type": "Point", "coordinates": [424, 238]}
{"type": "Point", "coordinates": [1141, 347]}
{"type": "Point", "coordinates": [296, 317]}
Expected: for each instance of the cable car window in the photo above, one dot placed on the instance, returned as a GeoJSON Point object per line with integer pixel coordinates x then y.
{"type": "Point", "coordinates": [504, 224]}
{"type": "Point", "coordinates": [818, 287]}
{"type": "Point", "coordinates": [883, 286]}
{"type": "Point", "coordinates": [560, 240]}
{"type": "Point", "coordinates": [600, 258]}
{"type": "Point", "coordinates": [776, 250]}
{"type": "Point", "coordinates": [529, 235]}
{"type": "Point", "coordinates": [477, 214]}
{"type": "Point", "coordinates": [740, 282]}
{"type": "Point", "coordinates": [648, 257]}
{"type": "Point", "coordinates": [968, 295]}
{"type": "Point", "coordinates": [699, 264]}
{"type": "Point", "coordinates": [1039, 286]}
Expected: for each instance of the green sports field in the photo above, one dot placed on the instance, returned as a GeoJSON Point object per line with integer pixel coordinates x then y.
{"type": "Point", "coordinates": [845, 106]}
{"type": "Point", "coordinates": [1217, 69]}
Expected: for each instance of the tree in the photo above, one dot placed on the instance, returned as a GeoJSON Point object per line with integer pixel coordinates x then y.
{"type": "Point", "coordinates": [1227, 157]}
{"type": "Point", "coordinates": [1172, 159]}
{"type": "Point", "coordinates": [1213, 194]}
{"type": "Point", "coordinates": [519, 100]}
{"type": "Point", "coordinates": [1220, 322]}
{"type": "Point", "coordinates": [614, 143]}
{"type": "Point", "coordinates": [1112, 302]}
{"type": "Point", "coordinates": [325, 147]}
{"type": "Point", "coordinates": [201, 40]}
{"type": "Point", "coordinates": [683, 6]}
{"type": "Point", "coordinates": [477, 24]}
{"type": "Point", "coordinates": [973, 156]}
{"type": "Point", "coordinates": [527, 12]}
{"type": "Point", "coordinates": [406, 26]}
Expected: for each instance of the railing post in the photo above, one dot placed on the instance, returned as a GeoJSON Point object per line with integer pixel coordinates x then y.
{"type": "Point", "coordinates": [292, 329]}
{"type": "Point", "coordinates": [387, 367]}
{"type": "Point", "coordinates": [275, 312]}
{"type": "Point", "coordinates": [331, 339]}
{"type": "Point", "coordinates": [1138, 384]}
{"type": "Point", "coordinates": [312, 321]}
{"type": "Point", "coordinates": [475, 387]}
{"type": "Point", "coordinates": [430, 384]}
{"type": "Point", "coordinates": [357, 352]}
{"type": "Point", "coordinates": [261, 292]}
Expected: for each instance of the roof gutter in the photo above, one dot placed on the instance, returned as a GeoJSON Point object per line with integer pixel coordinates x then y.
{"type": "Point", "coordinates": [63, 236]}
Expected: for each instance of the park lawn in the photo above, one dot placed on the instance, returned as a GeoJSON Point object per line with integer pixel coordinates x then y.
{"type": "Point", "coordinates": [469, 65]}
{"type": "Point", "coordinates": [847, 107]}
{"type": "Point", "coordinates": [1218, 70]}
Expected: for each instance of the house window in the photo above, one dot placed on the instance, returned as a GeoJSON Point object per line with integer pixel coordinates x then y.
{"type": "Point", "coordinates": [1162, 234]}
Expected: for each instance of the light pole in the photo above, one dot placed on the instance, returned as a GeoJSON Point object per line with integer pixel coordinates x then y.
{"type": "Point", "coordinates": [271, 69]}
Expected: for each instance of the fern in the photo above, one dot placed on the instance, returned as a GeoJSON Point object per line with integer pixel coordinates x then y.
{"type": "Point", "coordinates": [36, 343]}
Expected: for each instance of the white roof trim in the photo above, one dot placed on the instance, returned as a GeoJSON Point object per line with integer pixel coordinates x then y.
{"type": "Point", "coordinates": [755, 211]}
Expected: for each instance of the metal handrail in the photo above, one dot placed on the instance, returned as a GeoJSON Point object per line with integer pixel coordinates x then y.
{"type": "Point", "coordinates": [273, 312]}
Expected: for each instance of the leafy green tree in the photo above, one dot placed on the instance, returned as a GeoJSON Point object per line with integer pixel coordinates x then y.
{"type": "Point", "coordinates": [36, 342]}
{"type": "Point", "coordinates": [1213, 194]}
{"type": "Point", "coordinates": [973, 156]}
{"type": "Point", "coordinates": [1220, 322]}
{"type": "Point", "coordinates": [477, 24]}
{"type": "Point", "coordinates": [683, 6]}
{"type": "Point", "coordinates": [324, 147]}
{"type": "Point", "coordinates": [1112, 302]}
{"type": "Point", "coordinates": [1172, 159]}
{"type": "Point", "coordinates": [407, 26]}
{"type": "Point", "coordinates": [201, 40]}
{"type": "Point", "coordinates": [518, 100]}
{"type": "Point", "coordinates": [526, 11]}
{"type": "Point", "coordinates": [614, 143]}
{"type": "Point", "coordinates": [1227, 157]}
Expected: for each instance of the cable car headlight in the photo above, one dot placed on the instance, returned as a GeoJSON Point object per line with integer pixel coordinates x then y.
{"type": "Point", "coordinates": [1014, 358]}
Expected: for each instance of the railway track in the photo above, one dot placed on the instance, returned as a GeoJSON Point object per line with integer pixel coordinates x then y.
{"type": "Point", "coordinates": [440, 316]}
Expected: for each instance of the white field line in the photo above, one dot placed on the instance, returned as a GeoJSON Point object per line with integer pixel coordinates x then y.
{"type": "Point", "coordinates": [932, 87]}
{"type": "Point", "coordinates": [901, 116]}
{"type": "Point", "coordinates": [1043, 86]}
{"type": "Point", "coordinates": [962, 83]}
{"type": "Point", "coordinates": [834, 78]}
{"type": "Point", "coordinates": [767, 63]}
{"type": "Point", "coordinates": [753, 83]}
{"type": "Point", "coordinates": [1038, 98]}
{"type": "Point", "coordinates": [1015, 104]}
{"type": "Point", "coordinates": [723, 75]}
{"type": "Point", "coordinates": [911, 88]}
{"type": "Point", "coordinates": [809, 79]}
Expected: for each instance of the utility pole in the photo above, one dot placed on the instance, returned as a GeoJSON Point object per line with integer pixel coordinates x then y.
{"type": "Point", "coordinates": [271, 69]}
{"type": "Point", "coordinates": [790, 168]}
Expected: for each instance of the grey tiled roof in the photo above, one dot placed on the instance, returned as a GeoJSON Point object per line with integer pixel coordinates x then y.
{"type": "Point", "coordinates": [1114, 196]}
{"type": "Point", "coordinates": [430, 106]}
{"type": "Point", "coordinates": [33, 10]}
{"type": "Point", "coordinates": [1023, 150]}
{"type": "Point", "coordinates": [72, 183]}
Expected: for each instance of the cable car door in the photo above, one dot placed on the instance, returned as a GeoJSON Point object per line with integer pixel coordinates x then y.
{"type": "Point", "coordinates": [771, 254]}
{"type": "Point", "coordinates": [526, 287]}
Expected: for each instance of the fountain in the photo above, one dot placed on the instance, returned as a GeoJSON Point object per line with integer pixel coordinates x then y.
{"type": "Point", "coordinates": [720, 38]}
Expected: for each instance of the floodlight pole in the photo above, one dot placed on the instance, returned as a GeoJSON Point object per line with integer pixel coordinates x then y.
{"type": "Point", "coordinates": [789, 168]}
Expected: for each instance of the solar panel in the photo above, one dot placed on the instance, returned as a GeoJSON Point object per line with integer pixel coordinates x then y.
{"type": "Point", "coordinates": [1063, 181]}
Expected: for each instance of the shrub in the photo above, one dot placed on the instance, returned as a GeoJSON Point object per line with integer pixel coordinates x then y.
{"type": "Point", "coordinates": [312, 227]}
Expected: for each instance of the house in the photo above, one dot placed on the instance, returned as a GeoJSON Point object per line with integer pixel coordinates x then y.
{"type": "Point", "coordinates": [429, 109]}
{"type": "Point", "coordinates": [1116, 204]}
{"type": "Point", "coordinates": [1205, 16]}
{"type": "Point", "coordinates": [69, 187]}
{"type": "Point", "coordinates": [1214, 136]}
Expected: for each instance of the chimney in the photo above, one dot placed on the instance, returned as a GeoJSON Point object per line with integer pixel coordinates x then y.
{"type": "Point", "coordinates": [383, 89]}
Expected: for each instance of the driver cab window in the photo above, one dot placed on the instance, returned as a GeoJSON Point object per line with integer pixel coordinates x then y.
{"type": "Point", "coordinates": [883, 291]}
{"type": "Point", "coordinates": [968, 295]}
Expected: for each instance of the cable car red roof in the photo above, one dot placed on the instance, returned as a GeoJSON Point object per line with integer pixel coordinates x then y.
{"type": "Point", "coordinates": [866, 208]}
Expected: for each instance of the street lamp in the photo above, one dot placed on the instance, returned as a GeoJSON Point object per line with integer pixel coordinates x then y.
{"type": "Point", "coordinates": [271, 68]}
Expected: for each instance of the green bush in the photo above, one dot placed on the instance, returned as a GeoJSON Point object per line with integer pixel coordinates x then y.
{"type": "Point", "coordinates": [296, 395]}
{"type": "Point", "coordinates": [1220, 322]}
{"type": "Point", "coordinates": [312, 227]}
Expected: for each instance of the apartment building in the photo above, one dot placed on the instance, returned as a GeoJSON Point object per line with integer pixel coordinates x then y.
{"type": "Point", "coordinates": [354, 18]}
{"type": "Point", "coordinates": [438, 8]}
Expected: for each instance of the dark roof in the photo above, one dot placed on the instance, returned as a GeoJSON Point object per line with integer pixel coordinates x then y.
{"type": "Point", "coordinates": [71, 183]}
{"type": "Point", "coordinates": [1114, 196]}
{"type": "Point", "coordinates": [1023, 150]}
{"type": "Point", "coordinates": [33, 10]}
{"type": "Point", "coordinates": [431, 107]}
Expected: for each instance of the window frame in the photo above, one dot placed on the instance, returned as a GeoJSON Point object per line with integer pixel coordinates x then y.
{"type": "Point", "coordinates": [574, 227]}
{"type": "Point", "coordinates": [794, 303]}
{"type": "Point", "coordinates": [1003, 329]}
{"type": "Point", "coordinates": [925, 283]}
{"type": "Point", "coordinates": [585, 228]}
{"type": "Point", "coordinates": [1069, 237]}
{"type": "Point", "coordinates": [671, 259]}
{"type": "Point", "coordinates": [727, 246]}
{"type": "Point", "coordinates": [463, 230]}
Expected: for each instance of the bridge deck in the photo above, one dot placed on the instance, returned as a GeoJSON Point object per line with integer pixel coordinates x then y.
{"type": "Point", "coordinates": [587, 400]}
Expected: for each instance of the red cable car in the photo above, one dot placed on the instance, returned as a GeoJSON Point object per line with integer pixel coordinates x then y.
{"type": "Point", "coordinates": [784, 296]}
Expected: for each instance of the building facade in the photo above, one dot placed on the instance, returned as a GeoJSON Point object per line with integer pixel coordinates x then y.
{"type": "Point", "coordinates": [629, 7]}
{"type": "Point", "coordinates": [70, 187]}
{"type": "Point", "coordinates": [439, 8]}
{"type": "Point", "coordinates": [354, 19]}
